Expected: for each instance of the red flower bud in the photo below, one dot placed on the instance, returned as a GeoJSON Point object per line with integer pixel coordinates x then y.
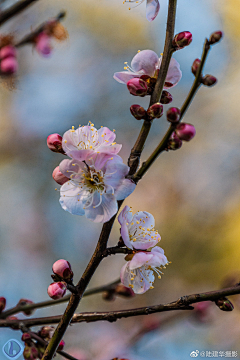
{"type": "Point", "coordinates": [155, 111]}
{"type": "Point", "coordinates": [174, 142]}
{"type": "Point", "coordinates": [224, 304]}
{"type": "Point", "coordinates": [182, 39]}
{"type": "Point", "coordinates": [185, 131]}
{"type": "Point", "coordinates": [59, 177]}
{"type": "Point", "coordinates": [26, 337]}
{"type": "Point", "coordinates": [138, 112]}
{"type": "Point", "coordinates": [61, 345]}
{"type": "Point", "coordinates": [209, 80]}
{"type": "Point", "coordinates": [137, 87]}
{"type": "Point", "coordinates": [56, 290]}
{"type": "Point", "coordinates": [173, 114]}
{"type": "Point", "coordinates": [54, 143]}
{"type": "Point", "coordinates": [215, 37]}
{"type": "Point", "coordinates": [23, 302]}
{"type": "Point", "coordinates": [63, 269]}
{"type": "Point", "coordinates": [195, 66]}
{"type": "Point", "coordinates": [2, 303]}
{"type": "Point", "coordinates": [166, 97]}
{"type": "Point", "coordinates": [8, 51]}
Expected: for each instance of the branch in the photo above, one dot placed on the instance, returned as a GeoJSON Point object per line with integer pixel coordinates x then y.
{"type": "Point", "coordinates": [163, 144]}
{"type": "Point", "coordinates": [136, 151]}
{"type": "Point", "coordinates": [117, 250]}
{"type": "Point", "coordinates": [15, 9]}
{"type": "Point", "coordinates": [183, 303]}
{"type": "Point", "coordinates": [28, 39]}
{"type": "Point", "coordinates": [22, 308]}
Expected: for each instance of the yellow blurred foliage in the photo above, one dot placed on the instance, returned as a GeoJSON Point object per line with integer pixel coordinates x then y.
{"type": "Point", "coordinates": [231, 18]}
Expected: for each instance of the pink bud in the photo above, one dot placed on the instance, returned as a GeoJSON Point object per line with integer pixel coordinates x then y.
{"type": "Point", "coordinates": [8, 51]}
{"type": "Point", "coordinates": [155, 110]}
{"type": "Point", "coordinates": [2, 303]}
{"type": "Point", "coordinates": [61, 345]}
{"type": "Point", "coordinates": [137, 87]}
{"type": "Point", "coordinates": [209, 80]}
{"type": "Point", "coordinates": [166, 97]}
{"type": "Point", "coordinates": [185, 131]}
{"type": "Point", "coordinates": [23, 302]}
{"type": "Point", "coordinates": [195, 66]}
{"type": "Point", "coordinates": [59, 177]}
{"type": "Point", "coordinates": [30, 352]}
{"type": "Point", "coordinates": [43, 45]}
{"type": "Point", "coordinates": [54, 143]}
{"type": "Point", "coordinates": [182, 39]}
{"type": "Point", "coordinates": [174, 142]}
{"type": "Point", "coordinates": [26, 337]}
{"type": "Point", "coordinates": [56, 290]}
{"type": "Point", "coordinates": [138, 112]}
{"type": "Point", "coordinates": [124, 291]}
{"type": "Point", "coordinates": [9, 65]}
{"type": "Point", "coordinates": [63, 269]}
{"type": "Point", "coordinates": [173, 114]}
{"type": "Point", "coordinates": [215, 37]}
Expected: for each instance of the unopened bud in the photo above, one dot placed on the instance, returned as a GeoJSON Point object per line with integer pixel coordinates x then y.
{"type": "Point", "coordinates": [56, 290]}
{"type": "Point", "coordinates": [185, 131]}
{"type": "Point", "coordinates": [109, 295]}
{"type": "Point", "coordinates": [166, 97]}
{"type": "Point", "coordinates": [155, 110]}
{"type": "Point", "coordinates": [137, 87]}
{"type": "Point", "coordinates": [182, 39]}
{"type": "Point", "coordinates": [8, 51]}
{"type": "Point", "coordinates": [173, 115]}
{"type": "Point", "coordinates": [63, 269]}
{"type": "Point", "coordinates": [124, 291]}
{"type": "Point", "coordinates": [215, 37]}
{"type": "Point", "coordinates": [174, 142]}
{"type": "Point", "coordinates": [26, 337]}
{"type": "Point", "coordinates": [138, 112]}
{"type": "Point", "coordinates": [61, 345]}
{"type": "Point", "coordinates": [59, 177]}
{"type": "Point", "coordinates": [46, 332]}
{"type": "Point", "coordinates": [209, 80]}
{"type": "Point", "coordinates": [43, 45]}
{"type": "Point", "coordinates": [30, 352]}
{"type": "Point", "coordinates": [224, 304]}
{"type": "Point", "coordinates": [195, 66]}
{"type": "Point", "coordinates": [9, 65]}
{"type": "Point", "coordinates": [2, 303]}
{"type": "Point", "coordinates": [54, 143]}
{"type": "Point", "coordinates": [23, 302]}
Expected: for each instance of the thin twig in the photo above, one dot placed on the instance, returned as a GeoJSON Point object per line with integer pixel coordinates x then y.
{"type": "Point", "coordinates": [15, 9]}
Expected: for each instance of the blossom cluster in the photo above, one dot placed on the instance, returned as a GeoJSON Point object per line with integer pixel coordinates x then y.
{"type": "Point", "coordinates": [138, 233]}
{"type": "Point", "coordinates": [94, 179]}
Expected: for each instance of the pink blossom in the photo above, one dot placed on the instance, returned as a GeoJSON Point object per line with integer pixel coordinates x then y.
{"type": "Point", "coordinates": [63, 269]}
{"type": "Point", "coordinates": [54, 143]}
{"type": "Point", "coordinates": [9, 65]}
{"type": "Point", "coordinates": [87, 140]}
{"type": "Point", "coordinates": [138, 272]}
{"type": "Point", "coordinates": [8, 51]}
{"type": "Point", "coordinates": [56, 290]}
{"type": "Point", "coordinates": [137, 230]}
{"type": "Point", "coordinates": [94, 186]}
{"type": "Point", "coordinates": [146, 62]}
{"type": "Point", "coordinates": [43, 45]}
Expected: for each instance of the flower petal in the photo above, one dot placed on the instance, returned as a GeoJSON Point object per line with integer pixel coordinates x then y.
{"type": "Point", "coordinates": [153, 8]}
{"type": "Point", "coordinates": [125, 188]}
{"type": "Point", "coordinates": [68, 167]}
{"type": "Point", "coordinates": [139, 260]}
{"type": "Point", "coordinates": [125, 215]}
{"type": "Point", "coordinates": [124, 76]}
{"type": "Point", "coordinates": [103, 212]}
{"type": "Point", "coordinates": [71, 199]}
{"type": "Point", "coordinates": [158, 259]}
{"type": "Point", "coordinates": [104, 134]}
{"type": "Point", "coordinates": [174, 74]}
{"type": "Point", "coordinates": [125, 236]}
{"type": "Point", "coordinates": [145, 62]}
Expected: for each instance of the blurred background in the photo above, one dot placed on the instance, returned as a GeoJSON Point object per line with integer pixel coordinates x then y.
{"type": "Point", "coordinates": [193, 193]}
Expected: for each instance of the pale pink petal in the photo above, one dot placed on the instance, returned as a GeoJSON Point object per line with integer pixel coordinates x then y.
{"type": "Point", "coordinates": [68, 167]}
{"type": "Point", "coordinates": [145, 219]}
{"type": "Point", "coordinates": [153, 8]}
{"type": "Point", "coordinates": [71, 199]}
{"type": "Point", "coordinates": [125, 188]}
{"type": "Point", "coordinates": [158, 259]}
{"type": "Point", "coordinates": [139, 260]}
{"type": "Point", "coordinates": [103, 212]}
{"type": "Point", "coordinates": [125, 236]}
{"type": "Point", "coordinates": [124, 76]}
{"type": "Point", "coordinates": [174, 74]}
{"type": "Point", "coordinates": [125, 215]}
{"type": "Point", "coordinates": [105, 134]}
{"type": "Point", "coordinates": [145, 62]}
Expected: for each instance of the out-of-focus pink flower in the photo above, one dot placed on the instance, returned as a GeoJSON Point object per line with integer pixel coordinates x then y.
{"type": "Point", "coordinates": [43, 44]}
{"type": "Point", "coordinates": [9, 65]}
{"type": "Point", "coordinates": [8, 51]}
{"type": "Point", "coordinates": [138, 272]}
{"type": "Point", "coordinates": [56, 290]}
{"type": "Point", "coordinates": [87, 140]}
{"type": "Point", "coordinates": [63, 269]}
{"type": "Point", "coordinates": [146, 62]}
{"type": "Point", "coordinates": [95, 186]}
{"type": "Point", "coordinates": [137, 230]}
{"type": "Point", "coordinates": [59, 177]}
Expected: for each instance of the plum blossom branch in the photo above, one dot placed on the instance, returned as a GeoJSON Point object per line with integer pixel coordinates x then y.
{"type": "Point", "coordinates": [15, 9]}
{"type": "Point", "coordinates": [22, 308]}
{"type": "Point", "coordinates": [28, 39]}
{"type": "Point", "coordinates": [163, 144]}
{"type": "Point", "coordinates": [183, 303]}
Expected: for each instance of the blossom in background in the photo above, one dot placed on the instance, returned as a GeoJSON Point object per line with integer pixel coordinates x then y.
{"type": "Point", "coordinates": [138, 273]}
{"type": "Point", "coordinates": [86, 140]}
{"type": "Point", "coordinates": [152, 7]}
{"type": "Point", "coordinates": [94, 186]}
{"type": "Point", "coordinates": [147, 62]}
{"type": "Point", "coordinates": [137, 230]}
